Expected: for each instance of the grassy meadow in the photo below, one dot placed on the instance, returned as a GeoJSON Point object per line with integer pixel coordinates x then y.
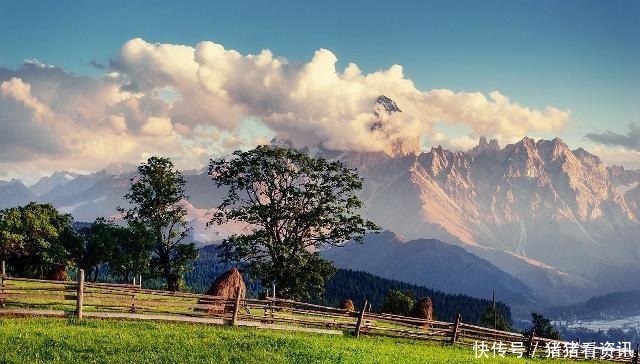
{"type": "Point", "coordinates": [52, 340]}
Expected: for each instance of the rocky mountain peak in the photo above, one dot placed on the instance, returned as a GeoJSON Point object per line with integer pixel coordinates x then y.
{"type": "Point", "coordinates": [117, 168]}
{"type": "Point", "coordinates": [622, 176]}
{"type": "Point", "coordinates": [11, 182]}
{"type": "Point", "coordinates": [483, 146]}
{"type": "Point", "coordinates": [554, 149]}
{"type": "Point", "coordinates": [389, 105]}
{"type": "Point", "coordinates": [527, 142]}
{"type": "Point", "coordinates": [583, 155]}
{"type": "Point", "coordinates": [524, 199]}
{"type": "Point", "coordinates": [282, 143]}
{"type": "Point", "coordinates": [384, 109]}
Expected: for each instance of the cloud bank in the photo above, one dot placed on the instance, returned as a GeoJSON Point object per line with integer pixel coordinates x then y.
{"type": "Point", "coordinates": [192, 102]}
{"type": "Point", "coordinates": [630, 140]}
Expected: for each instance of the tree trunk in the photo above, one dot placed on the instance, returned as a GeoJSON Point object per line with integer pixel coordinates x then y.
{"type": "Point", "coordinates": [171, 277]}
{"type": "Point", "coordinates": [173, 282]}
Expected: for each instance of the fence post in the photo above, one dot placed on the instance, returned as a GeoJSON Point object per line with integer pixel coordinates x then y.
{"type": "Point", "coordinates": [140, 280]}
{"type": "Point", "coordinates": [530, 351]}
{"type": "Point", "coordinates": [361, 318]}
{"type": "Point", "coordinates": [3, 272]}
{"type": "Point", "coordinates": [133, 302]}
{"type": "Point", "coordinates": [236, 308]}
{"type": "Point", "coordinates": [454, 335]}
{"type": "Point", "coordinates": [80, 294]}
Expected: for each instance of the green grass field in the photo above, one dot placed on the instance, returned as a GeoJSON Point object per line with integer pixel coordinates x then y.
{"type": "Point", "coordinates": [50, 340]}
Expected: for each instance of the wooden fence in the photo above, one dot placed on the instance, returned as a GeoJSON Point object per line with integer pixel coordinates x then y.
{"type": "Point", "coordinates": [33, 297]}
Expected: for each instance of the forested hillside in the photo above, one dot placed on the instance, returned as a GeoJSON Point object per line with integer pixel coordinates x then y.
{"type": "Point", "coordinates": [361, 285]}
{"type": "Point", "coordinates": [612, 305]}
{"type": "Point", "coordinates": [357, 286]}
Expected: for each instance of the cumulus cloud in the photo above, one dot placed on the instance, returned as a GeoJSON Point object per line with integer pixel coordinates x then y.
{"type": "Point", "coordinates": [314, 102]}
{"type": "Point", "coordinates": [20, 91]}
{"type": "Point", "coordinates": [190, 102]}
{"type": "Point", "coordinates": [630, 140]}
{"type": "Point", "coordinates": [118, 123]}
{"type": "Point", "coordinates": [614, 155]}
{"type": "Point", "coordinates": [157, 126]}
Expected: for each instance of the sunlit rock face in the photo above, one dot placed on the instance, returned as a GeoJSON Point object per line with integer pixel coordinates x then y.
{"type": "Point", "coordinates": [536, 200]}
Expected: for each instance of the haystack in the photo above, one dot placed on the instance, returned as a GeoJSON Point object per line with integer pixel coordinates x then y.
{"type": "Point", "coordinates": [348, 305]}
{"type": "Point", "coordinates": [227, 285]}
{"type": "Point", "coordinates": [423, 309]}
{"type": "Point", "coordinates": [57, 272]}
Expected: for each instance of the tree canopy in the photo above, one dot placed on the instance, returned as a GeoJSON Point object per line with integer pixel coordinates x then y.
{"type": "Point", "coordinates": [488, 317]}
{"type": "Point", "coordinates": [398, 302]}
{"type": "Point", "coordinates": [542, 327]}
{"type": "Point", "coordinates": [35, 239]}
{"type": "Point", "coordinates": [293, 205]}
{"type": "Point", "coordinates": [120, 251]}
{"type": "Point", "coordinates": [157, 198]}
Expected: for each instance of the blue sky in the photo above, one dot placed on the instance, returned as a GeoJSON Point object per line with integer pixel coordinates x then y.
{"type": "Point", "coordinates": [581, 56]}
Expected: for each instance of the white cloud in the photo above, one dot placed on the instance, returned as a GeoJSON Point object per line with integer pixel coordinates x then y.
{"type": "Point", "coordinates": [118, 123]}
{"type": "Point", "coordinates": [313, 102]}
{"type": "Point", "coordinates": [157, 126]}
{"type": "Point", "coordinates": [20, 91]}
{"type": "Point", "coordinates": [617, 155]}
{"type": "Point", "coordinates": [186, 102]}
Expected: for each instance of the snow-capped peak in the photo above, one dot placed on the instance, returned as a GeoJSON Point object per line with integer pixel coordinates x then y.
{"type": "Point", "coordinates": [388, 104]}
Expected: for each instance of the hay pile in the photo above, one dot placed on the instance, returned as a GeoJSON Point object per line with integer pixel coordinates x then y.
{"type": "Point", "coordinates": [348, 305]}
{"type": "Point", "coordinates": [57, 272]}
{"type": "Point", "coordinates": [227, 285]}
{"type": "Point", "coordinates": [423, 309]}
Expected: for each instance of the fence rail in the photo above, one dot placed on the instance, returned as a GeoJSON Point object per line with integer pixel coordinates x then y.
{"type": "Point", "coordinates": [23, 296]}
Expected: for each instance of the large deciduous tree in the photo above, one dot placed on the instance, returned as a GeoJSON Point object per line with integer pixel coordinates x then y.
{"type": "Point", "coordinates": [124, 249]}
{"type": "Point", "coordinates": [130, 254]}
{"type": "Point", "coordinates": [157, 200]}
{"type": "Point", "coordinates": [93, 247]}
{"type": "Point", "coordinates": [293, 205]}
{"type": "Point", "coordinates": [35, 239]}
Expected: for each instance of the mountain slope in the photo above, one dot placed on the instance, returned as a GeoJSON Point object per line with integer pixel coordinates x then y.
{"type": "Point", "coordinates": [610, 306]}
{"type": "Point", "coordinates": [433, 264]}
{"type": "Point", "coordinates": [558, 211]}
{"type": "Point", "coordinates": [15, 193]}
{"type": "Point", "coordinates": [359, 286]}
{"type": "Point", "coordinates": [48, 183]}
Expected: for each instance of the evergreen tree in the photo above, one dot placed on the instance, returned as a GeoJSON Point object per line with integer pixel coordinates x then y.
{"type": "Point", "coordinates": [542, 327]}
{"type": "Point", "coordinates": [494, 319]}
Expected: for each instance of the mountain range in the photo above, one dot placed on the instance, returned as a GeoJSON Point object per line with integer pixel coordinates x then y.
{"type": "Point", "coordinates": [555, 218]}
{"type": "Point", "coordinates": [535, 220]}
